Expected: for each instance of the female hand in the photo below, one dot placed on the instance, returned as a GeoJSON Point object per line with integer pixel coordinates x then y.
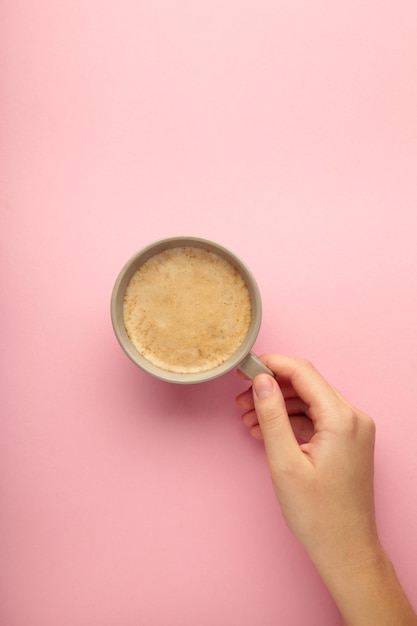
{"type": "Point", "coordinates": [320, 452]}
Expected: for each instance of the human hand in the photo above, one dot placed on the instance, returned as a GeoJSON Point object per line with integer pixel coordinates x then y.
{"type": "Point", "coordinates": [320, 452]}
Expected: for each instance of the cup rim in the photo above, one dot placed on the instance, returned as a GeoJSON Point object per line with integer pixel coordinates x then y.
{"type": "Point", "coordinates": [136, 261]}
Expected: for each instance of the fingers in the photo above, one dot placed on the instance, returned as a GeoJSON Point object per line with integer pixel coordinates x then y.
{"type": "Point", "coordinates": [245, 400]}
{"type": "Point", "coordinates": [269, 404]}
{"type": "Point", "coordinates": [304, 392]}
{"type": "Point", "coordinates": [302, 426]}
{"type": "Point", "coordinates": [294, 406]}
{"type": "Point", "coordinates": [308, 384]}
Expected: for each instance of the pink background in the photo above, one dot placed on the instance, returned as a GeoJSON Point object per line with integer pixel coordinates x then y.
{"type": "Point", "coordinates": [286, 131]}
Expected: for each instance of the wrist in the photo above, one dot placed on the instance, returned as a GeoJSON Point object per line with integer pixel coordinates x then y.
{"type": "Point", "coordinates": [350, 562]}
{"type": "Point", "coordinates": [347, 552]}
{"type": "Point", "coordinates": [365, 587]}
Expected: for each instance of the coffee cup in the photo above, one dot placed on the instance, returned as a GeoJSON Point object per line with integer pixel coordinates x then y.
{"type": "Point", "coordinates": [187, 310]}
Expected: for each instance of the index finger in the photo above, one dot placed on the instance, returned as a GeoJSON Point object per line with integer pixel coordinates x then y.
{"type": "Point", "coordinates": [307, 382]}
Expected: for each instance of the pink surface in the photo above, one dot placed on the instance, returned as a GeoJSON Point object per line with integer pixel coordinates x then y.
{"type": "Point", "coordinates": [286, 131]}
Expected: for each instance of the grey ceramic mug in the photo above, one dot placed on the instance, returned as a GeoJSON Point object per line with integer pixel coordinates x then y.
{"type": "Point", "coordinates": [242, 358]}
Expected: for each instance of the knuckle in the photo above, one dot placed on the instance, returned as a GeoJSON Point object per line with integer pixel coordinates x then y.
{"type": "Point", "coordinates": [356, 424]}
{"type": "Point", "coordinates": [349, 420]}
{"type": "Point", "coordinates": [271, 414]}
{"type": "Point", "coordinates": [305, 364]}
{"type": "Point", "coordinates": [272, 418]}
{"type": "Point", "coordinates": [369, 425]}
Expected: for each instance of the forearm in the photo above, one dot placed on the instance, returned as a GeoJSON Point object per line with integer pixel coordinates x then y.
{"type": "Point", "coordinates": [368, 592]}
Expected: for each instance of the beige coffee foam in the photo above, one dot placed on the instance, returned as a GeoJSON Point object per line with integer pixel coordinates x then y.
{"type": "Point", "coordinates": [187, 310]}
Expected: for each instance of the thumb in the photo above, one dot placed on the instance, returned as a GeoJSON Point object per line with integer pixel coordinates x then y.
{"type": "Point", "coordinates": [280, 442]}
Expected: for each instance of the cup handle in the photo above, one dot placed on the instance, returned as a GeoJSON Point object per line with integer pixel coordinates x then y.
{"type": "Point", "coordinates": [252, 366]}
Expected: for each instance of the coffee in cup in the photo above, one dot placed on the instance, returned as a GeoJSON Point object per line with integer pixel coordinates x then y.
{"type": "Point", "coordinates": [187, 310]}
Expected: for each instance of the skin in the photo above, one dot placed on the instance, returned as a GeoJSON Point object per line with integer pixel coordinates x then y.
{"type": "Point", "coordinates": [320, 453]}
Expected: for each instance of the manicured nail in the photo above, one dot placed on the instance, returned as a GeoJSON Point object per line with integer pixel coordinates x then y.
{"type": "Point", "coordinates": [263, 385]}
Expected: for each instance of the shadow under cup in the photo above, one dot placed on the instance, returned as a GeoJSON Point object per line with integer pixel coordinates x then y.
{"type": "Point", "coordinates": [242, 358]}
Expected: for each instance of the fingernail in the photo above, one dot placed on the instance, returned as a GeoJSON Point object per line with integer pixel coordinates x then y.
{"type": "Point", "coordinates": [263, 385]}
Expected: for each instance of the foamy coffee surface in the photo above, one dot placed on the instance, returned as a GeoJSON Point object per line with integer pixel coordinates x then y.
{"type": "Point", "coordinates": [187, 310]}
